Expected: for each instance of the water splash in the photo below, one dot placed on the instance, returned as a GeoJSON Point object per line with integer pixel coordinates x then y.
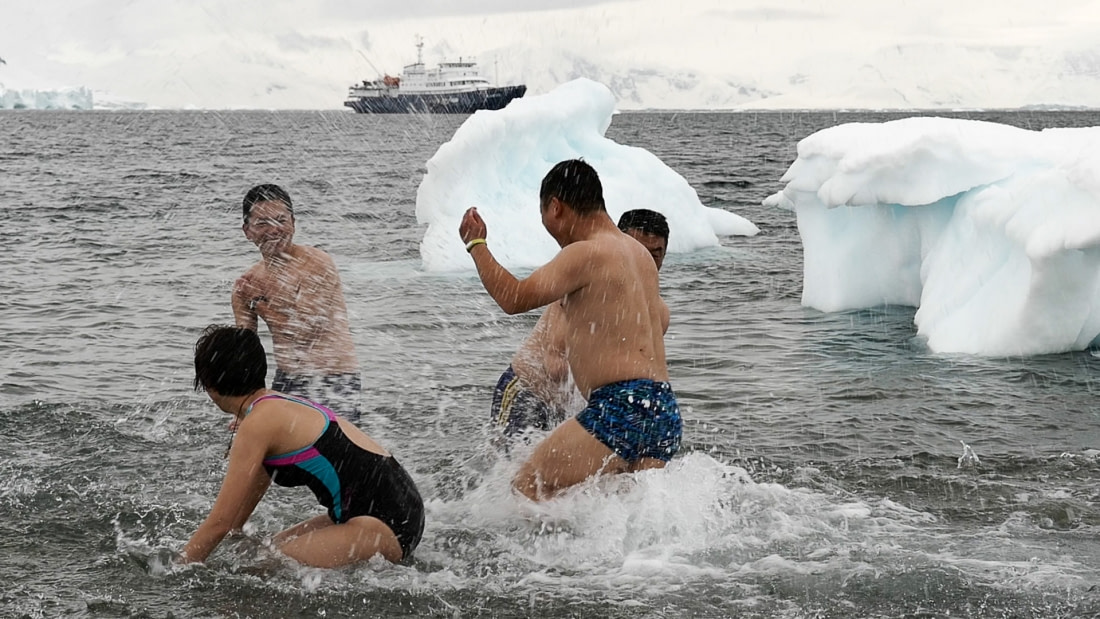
{"type": "Point", "coordinates": [968, 459]}
{"type": "Point", "coordinates": [651, 533]}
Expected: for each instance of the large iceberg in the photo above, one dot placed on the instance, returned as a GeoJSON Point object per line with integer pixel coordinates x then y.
{"type": "Point", "coordinates": [496, 160]}
{"type": "Point", "coordinates": [993, 232]}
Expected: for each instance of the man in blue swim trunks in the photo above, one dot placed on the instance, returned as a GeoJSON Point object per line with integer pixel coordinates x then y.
{"type": "Point", "coordinates": [537, 391]}
{"type": "Point", "coordinates": [615, 322]}
{"type": "Point", "coordinates": [296, 290]}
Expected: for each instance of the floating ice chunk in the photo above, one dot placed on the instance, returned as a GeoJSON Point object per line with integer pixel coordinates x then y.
{"type": "Point", "coordinates": [496, 161]}
{"type": "Point", "coordinates": [993, 232]}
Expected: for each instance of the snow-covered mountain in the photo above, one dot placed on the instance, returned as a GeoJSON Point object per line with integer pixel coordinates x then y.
{"type": "Point", "coordinates": [933, 76]}
{"type": "Point", "coordinates": [898, 77]}
{"type": "Point", "coordinates": [635, 87]}
{"type": "Point", "coordinates": [653, 54]}
{"type": "Point", "coordinates": [930, 76]}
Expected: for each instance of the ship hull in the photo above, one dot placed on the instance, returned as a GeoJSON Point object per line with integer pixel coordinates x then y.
{"type": "Point", "coordinates": [452, 103]}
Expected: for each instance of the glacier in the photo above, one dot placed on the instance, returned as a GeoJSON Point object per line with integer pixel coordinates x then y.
{"type": "Point", "coordinates": [78, 98]}
{"type": "Point", "coordinates": [496, 160]}
{"type": "Point", "coordinates": [991, 231]}
{"type": "Point", "coordinates": [22, 89]}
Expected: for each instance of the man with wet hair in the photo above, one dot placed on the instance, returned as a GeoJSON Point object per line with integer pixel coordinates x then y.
{"type": "Point", "coordinates": [296, 290]}
{"type": "Point", "coordinates": [537, 390]}
{"type": "Point", "coordinates": [649, 228]}
{"type": "Point", "coordinates": [614, 322]}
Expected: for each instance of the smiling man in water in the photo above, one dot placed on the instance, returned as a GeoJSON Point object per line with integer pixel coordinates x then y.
{"type": "Point", "coordinates": [614, 321]}
{"type": "Point", "coordinates": [296, 290]}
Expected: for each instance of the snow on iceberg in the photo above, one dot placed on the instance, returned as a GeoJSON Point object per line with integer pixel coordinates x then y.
{"type": "Point", "coordinates": [496, 160]}
{"type": "Point", "coordinates": [993, 232]}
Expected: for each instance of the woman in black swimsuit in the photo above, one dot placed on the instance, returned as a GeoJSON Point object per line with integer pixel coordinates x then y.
{"type": "Point", "coordinates": [373, 505]}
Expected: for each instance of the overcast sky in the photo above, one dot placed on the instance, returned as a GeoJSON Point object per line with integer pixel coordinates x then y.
{"type": "Point", "coordinates": [304, 53]}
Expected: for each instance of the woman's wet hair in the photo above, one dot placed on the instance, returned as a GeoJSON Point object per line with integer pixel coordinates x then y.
{"type": "Point", "coordinates": [230, 361]}
{"type": "Point", "coordinates": [266, 193]}
{"type": "Point", "coordinates": [574, 183]}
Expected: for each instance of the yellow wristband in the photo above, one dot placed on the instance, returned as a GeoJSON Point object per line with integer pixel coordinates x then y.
{"type": "Point", "coordinates": [474, 243]}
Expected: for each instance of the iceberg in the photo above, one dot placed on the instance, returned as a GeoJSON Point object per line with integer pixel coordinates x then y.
{"type": "Point", "coordinates": [991, 231]}
{"type": "Point", "coordinates": [21, 89]}
{"type": "Point", "coordinates": [78, 98]}
{"type": "Point", "coordinates": [496, 160]}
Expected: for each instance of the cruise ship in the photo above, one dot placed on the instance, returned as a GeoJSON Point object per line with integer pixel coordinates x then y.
{"type": "Point", "coordinates": [450, 88]}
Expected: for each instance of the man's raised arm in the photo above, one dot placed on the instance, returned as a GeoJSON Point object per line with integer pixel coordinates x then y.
{"type": "Point", "coordinates": [562, 275]}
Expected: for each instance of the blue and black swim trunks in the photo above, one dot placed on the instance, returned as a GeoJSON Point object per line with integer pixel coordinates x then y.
{"type": "Point", "coordinates": [339, 392]}
{"type": "Point", "coordinates": [636, 418]}
{"type": "Point", "coordinates": [516, 409]}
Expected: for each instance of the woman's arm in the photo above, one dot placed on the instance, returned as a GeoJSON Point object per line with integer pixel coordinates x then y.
{"type": "Point", "coordinates": [245, 483]}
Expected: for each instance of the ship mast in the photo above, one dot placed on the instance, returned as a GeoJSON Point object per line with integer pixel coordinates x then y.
{"type": "Point", "coordinates": [419, 49]}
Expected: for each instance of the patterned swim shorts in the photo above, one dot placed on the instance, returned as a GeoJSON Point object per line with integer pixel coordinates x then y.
{"type": "Point", "coordinates": [635, 418]}
{"type": "Point", "coordinates": [339, 392]}
{"type": "Point", "coordinates": [516, 409]}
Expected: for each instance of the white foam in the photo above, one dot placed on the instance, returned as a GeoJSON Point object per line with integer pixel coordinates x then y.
{"type": "Point", "coordinates": [696, 520]}
{"type": "Point", "coordinates": [627, 539]}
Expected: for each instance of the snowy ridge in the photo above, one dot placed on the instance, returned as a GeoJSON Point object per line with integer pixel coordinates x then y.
{"type": "Point", "coordinates": [896, 77]}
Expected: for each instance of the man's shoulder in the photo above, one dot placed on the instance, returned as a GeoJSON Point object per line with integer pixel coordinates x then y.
{"type": "Point", "coordinates": [310, 259]}
{"type": "Point", "coordinates": [612, 248]}
{"type": "Point", "coordinates": [597, 246]}
{"type": "Point", "coordinates": [252, 271]}
{"type": "Point", "coordinates": [312, 253]}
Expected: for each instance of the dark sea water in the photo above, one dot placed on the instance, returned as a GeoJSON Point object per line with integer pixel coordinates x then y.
{"type": "Point", "coordinates": [820, 472]}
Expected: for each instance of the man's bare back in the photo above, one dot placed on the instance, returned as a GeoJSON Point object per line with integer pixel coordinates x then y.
{"type": "Point", "coordinates": [614, 315]}
{"type": "Point", "coordinates": [615, 321]}
{"type": "Point", "coordinates": [537, 390]}
{"type": "Point", "coordinates": [544, 393]}
{"type": "Point", "coordinates": [540, 361]}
